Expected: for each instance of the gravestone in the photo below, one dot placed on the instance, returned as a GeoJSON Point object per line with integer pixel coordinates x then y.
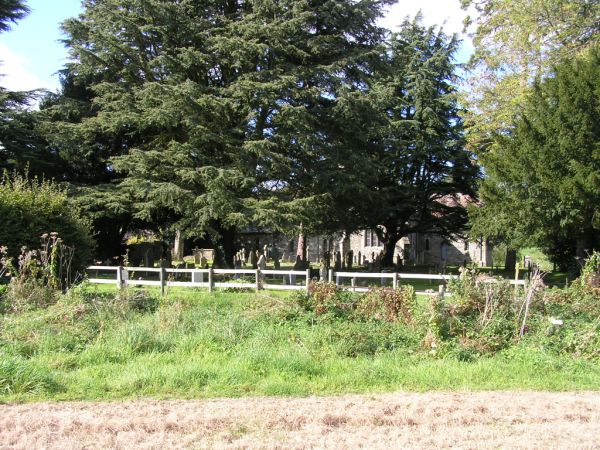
{"type": "Point", "coordinates": [254, 258]}
{"type": "Point", "coordinates": [323, 271]}
{"type": "Point", "coordinates": [275, 256]}
{"type": "Point", "coordinates": [203, 262]}
{"type": "Point", "coordinates": [237, 264]}
{"type": "Point", "coordinates": [338, 261]}
{"type": "Point", "coordinates": [349, 259]}
{"type": "Point", "coordinates": [262, 262]}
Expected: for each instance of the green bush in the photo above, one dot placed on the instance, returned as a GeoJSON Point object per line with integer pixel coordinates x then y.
{"type": "Point", "coordinates": [578, 306]}
{"type": "Point", "coordinates": [482, 316]}
{"type": "Point", "coordinates": [32, 208]}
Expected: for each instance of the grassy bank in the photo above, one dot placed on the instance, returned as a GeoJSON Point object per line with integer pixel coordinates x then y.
{"type": "Point", "coordinates": [93, 344]}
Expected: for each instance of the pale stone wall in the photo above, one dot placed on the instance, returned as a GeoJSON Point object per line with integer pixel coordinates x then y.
{"type": "Point", "coordinates": [420, 249]}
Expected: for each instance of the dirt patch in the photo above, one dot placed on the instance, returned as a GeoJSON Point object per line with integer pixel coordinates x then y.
{"type": "Point", "coordinates": [457, 419]}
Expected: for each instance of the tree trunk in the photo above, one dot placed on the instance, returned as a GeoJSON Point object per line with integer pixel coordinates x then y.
{"type": "Point", "coordinates": [389, 247]}
{"type": "Point", "coordinates": [178, 250]}
{"type": "Point", "coordinates": [301, 249]}
{"type": "Point", "coordinates": [225, 247]}
{"type": "Point", "coordinates": [510, 260]}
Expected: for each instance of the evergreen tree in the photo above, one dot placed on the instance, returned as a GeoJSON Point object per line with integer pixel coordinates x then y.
{"type": "Point", "coordinates": [422, 175]}
{"type": "Point", "coordinates": [22, 147]}
{"type": "Point", "coordinates": [217, 112]}
{"type": "Point", "coordinates": [542, 185]}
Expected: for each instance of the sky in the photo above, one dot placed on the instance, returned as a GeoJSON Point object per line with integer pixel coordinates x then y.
{"type": "Point", "coordinates": [31, 52]}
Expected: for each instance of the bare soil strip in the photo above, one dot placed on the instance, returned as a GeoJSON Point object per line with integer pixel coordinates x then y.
{"type": "Point", "coordinates": [429, 420]}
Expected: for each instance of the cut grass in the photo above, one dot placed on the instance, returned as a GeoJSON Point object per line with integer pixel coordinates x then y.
{"type": "Point", "coordinates": [90, 346]}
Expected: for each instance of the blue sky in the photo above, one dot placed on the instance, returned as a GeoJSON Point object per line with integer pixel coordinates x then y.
{"type": "Point", "coordinates": [31, 54]}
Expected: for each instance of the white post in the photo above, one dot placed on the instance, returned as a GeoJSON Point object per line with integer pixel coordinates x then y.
{"type": "Point", "coordinates": [442, 290]}
{"type": "Point", "coordinates": [330, 276]}
{"type": "Point", "coordinates": [119, 277]}
{"type": "Point", "coordinates": [307, 278]}
{"type": "Point", "coordinates": [211, 281]}
{"type": "Point", "coordinates": [395, 280]}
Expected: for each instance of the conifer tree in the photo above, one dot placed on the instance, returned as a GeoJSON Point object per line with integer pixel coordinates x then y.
{"type": "Point", "coordinates": [542, 184]}
{"type": "Point", "coordinates": [217, 111]}
{"type": "Point", "coordinates": [422, 172]}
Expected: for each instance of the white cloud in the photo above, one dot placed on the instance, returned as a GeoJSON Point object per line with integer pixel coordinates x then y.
{"type": "Point", "coordinates": [17, 73]}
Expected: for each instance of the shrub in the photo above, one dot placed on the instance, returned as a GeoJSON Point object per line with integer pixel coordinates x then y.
{"type": "Point", "coordinates": [578, 306]}
{"type": "Point", "coordinates": [32, 208]}
{"type": "Point", "coordinates": [388, 304]}
{"type": "Point", "coordinates": [483, 315]}
{"type": "Point", "coordinates": [325, 298]}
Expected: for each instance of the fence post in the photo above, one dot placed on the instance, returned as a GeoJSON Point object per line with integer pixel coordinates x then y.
{"type": "Point", "coordinates": [120, 277]}
{"type": "Point", "coordinates": [395, 280]}
{"type": "Point", "coordinates": [330, 276]}
{"type": "Point", "coordinates": [211, 281]}
{"type": "Point", "coordinates": [257, 279]}
{"type": "Point", "coordinates": [307, 278]}
{"type": "Point", "coordinates": [516, 280]}
{"type": "Point", "coordinates": [442, 290]}
{"type": "Point", "coordinates": [162, 277]}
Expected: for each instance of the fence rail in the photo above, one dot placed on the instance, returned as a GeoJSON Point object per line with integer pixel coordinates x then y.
{"type": "Point", "coordinates": [259, 279]}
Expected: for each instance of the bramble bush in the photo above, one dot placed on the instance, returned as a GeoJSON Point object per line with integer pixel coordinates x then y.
{"type": "Point", "coordinates": [482, 316]}
{"type": "Point", "coordinates": [382, 304]}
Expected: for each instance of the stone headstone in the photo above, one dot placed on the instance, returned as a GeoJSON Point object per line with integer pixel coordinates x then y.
{"type": "Point", "coordinates": [203, 262]}
{"type": "Point", "coordinates": [262, 262]}
{"type": "Point", "coordinates": [338, 261]}
{"type": "Point", "coordinates": [254, 259]}
{"type": "Point", "coordinates": [349, 259]}
{"type": "Point", "coordinates": [323, 271]}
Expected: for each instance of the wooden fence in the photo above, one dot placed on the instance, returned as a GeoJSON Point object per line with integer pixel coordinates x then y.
{"type": "Point", "coordinates": [257, 278]}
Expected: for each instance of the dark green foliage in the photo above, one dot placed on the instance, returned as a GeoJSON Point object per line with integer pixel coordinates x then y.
{"type": "Point", "coordinates": [29, 209]}
{"type": "Point", "coordinates": [415, 166]}
{"type": "Point", "coordinates": [11, 11]}
{"type": "Point", "coordinates": [211, 116]}
{"type": "Point", "coordinates": [542, 183]}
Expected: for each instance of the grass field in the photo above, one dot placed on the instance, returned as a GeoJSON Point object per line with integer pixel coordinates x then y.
{"type": "Point", "coordinates": [91, 345]}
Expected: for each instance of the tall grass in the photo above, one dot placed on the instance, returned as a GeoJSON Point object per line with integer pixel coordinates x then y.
{"type": "Point", "coordinates": [95, 344]}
